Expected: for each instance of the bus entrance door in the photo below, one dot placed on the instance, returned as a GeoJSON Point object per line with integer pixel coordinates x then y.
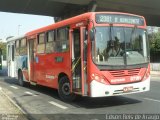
{"type": "Point", "coordinates": [31, 60]}
{"type": "Point", "coordinates": [79, 84]}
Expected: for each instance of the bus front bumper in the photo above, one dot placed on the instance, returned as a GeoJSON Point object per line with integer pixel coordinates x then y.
{"type": "Point", "coordinates": [98, 89]}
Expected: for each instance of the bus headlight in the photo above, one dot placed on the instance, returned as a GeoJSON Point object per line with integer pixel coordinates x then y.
{"type": "Point", "coordinates": [99, 78]}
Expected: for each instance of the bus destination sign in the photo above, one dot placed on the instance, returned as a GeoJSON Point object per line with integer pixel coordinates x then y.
{"type": "Point", "coordinates": [119, 19]}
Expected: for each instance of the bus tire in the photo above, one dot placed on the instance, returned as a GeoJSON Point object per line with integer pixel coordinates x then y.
{"type": "Point", "coordinates": [64, 90]}
{"type": "Point", "coordinates": [20, 79]}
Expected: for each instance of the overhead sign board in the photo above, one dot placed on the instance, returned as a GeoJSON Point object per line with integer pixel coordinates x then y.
{"type": "Point", "coordinates": [119, 19]}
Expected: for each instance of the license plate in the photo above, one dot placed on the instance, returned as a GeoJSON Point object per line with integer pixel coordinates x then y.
{"type": "Point", "coordinates": [127, 89]}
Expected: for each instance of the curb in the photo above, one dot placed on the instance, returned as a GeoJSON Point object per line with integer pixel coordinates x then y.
{"type": "Point", "coordinates": [155, 73]}
{"type": "Point", "coordinates": [1, 90]}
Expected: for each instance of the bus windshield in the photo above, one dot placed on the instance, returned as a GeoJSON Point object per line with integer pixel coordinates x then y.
{"type": "Point", "coordinates": [120, 46]}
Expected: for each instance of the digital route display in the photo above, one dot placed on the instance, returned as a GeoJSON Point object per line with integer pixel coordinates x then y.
{"type": "Point", "coordinates": [119, 19]}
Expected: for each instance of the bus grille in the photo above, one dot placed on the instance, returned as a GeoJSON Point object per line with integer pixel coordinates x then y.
{"type": "Point", "coordinates": [123, 73]}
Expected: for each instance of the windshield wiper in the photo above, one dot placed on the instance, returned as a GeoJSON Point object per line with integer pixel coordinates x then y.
{"type": "Point", "coordinates": [110, 35]}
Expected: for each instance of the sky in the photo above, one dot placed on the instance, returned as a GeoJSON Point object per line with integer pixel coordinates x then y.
{"type": "Point", "coordinates": [13, 24]}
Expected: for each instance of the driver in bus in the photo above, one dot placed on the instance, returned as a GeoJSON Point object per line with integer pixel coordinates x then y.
{"type": "Point", "coordinates": [114, 48]}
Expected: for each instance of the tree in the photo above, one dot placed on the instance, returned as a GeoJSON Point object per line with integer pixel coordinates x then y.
{"type": "Point", "coordinates": [154, 40]}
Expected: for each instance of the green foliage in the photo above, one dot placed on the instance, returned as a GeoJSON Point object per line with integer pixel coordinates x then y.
{"type": "Point", "coordinates": [3, 47]}
{"type": "Point", "coordinates": [154, 40]}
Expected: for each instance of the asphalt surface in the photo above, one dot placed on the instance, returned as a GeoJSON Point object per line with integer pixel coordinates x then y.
{"type": "Point", "coordinates": [44, 103]}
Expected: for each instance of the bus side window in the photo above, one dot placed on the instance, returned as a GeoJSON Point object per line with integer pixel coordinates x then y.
{"type": "Point", "coordinates": [12, 52]}
{"type": "Point", "coordinates": [62, 40]}
{"type": "Point", "coordinates": [17, 47]}
{"type": "Point", "coordinates": [23, 47]}
{"type": "Point", "coordinates": [50, 44]}
{"type": "Point", "coordinates": [41, 43]}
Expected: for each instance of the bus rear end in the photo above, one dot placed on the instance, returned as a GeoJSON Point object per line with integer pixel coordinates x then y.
{"type": "Point", "coordinates": [118, 60]}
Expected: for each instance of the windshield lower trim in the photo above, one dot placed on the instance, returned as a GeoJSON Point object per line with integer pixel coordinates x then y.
{"type": "Point", "coordinates": [119, 67]}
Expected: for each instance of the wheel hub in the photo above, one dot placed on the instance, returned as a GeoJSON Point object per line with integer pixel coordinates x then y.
{"type": "Point", "coordinates": [66, 88]}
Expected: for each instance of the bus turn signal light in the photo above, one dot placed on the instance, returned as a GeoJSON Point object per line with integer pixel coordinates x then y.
{"type": "Point", "coordinates": [99, 78]}
{"type": "Point", "coordinates": [146, 75]}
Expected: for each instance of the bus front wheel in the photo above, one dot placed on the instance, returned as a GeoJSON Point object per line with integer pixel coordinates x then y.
{"type": "Point", "coordinates": [64, 90]}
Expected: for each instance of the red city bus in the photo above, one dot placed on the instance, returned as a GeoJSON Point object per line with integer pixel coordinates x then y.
{"type": "Point", "coordinates": [95, 54]}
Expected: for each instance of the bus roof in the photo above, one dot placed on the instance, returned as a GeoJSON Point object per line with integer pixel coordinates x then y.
{"type": "Point", "coordinates": [72, 20]}
{"type": "Point", "coordinates": [61, 23]}
{"type": "Point", "coordinates": [15, 38]}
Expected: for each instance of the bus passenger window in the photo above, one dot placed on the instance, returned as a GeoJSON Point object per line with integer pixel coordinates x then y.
{"type": "Point", "coordinates": [12, 52]}
{"type": "Point", "coordinates": [23, 47]}
{"type": "Point", "coordinates": [41, 43]}
{"type": "Point", "coordinates": [17, 47]}
{"type": "Point", "coordinates": [62, 40]}
{"type": "Point", "coordinates": [50, 44]}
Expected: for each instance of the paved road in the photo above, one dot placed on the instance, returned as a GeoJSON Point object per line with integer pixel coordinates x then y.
{"type": "Point", "coordinates": [41, 100]}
